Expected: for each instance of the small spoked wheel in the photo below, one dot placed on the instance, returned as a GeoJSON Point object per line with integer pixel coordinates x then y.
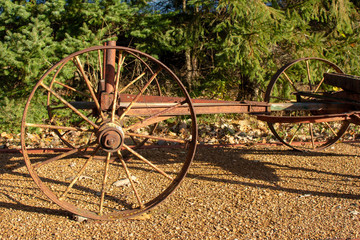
{"type": "Point", "coordinates": [116, 113]}
{"type": "Point", "coordinates": [299, 82]}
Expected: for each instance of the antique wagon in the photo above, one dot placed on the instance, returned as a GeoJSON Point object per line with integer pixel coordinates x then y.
{"type": "Point", "coordinates": [108, 107]}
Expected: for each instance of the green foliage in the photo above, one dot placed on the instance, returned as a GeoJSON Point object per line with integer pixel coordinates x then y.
{"type": "Point", "coordinates": [320, 27]}
{"type": "Point", "coordinates": [12, 110]}
{"type": "Point", "coordinates": [220, 49]}
{"type": "Point", "coordinates": [245, 37]}
{"type": "Point", "coordinates": [25, 51]}
{"type": "Point", "coordinates": [11, 115]}
{"type": "Point", "coordinates": [34, 36]}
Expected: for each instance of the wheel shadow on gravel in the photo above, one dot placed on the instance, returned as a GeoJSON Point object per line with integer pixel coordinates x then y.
{"type": "Point", "coordinates": [16, 205]}
{"type": "Point", "coordinates": [255, 168]}
{"type": "Point", "coordinates": [10, 166]}
{"type": "Point", "coordinates": [252, 168]}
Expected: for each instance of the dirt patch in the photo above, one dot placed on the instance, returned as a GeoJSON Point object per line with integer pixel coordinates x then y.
{"type": "Point", "coordinates": [256, 192]}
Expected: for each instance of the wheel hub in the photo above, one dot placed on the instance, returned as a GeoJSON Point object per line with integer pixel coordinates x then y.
{"type": "Point", "coordinates": [110, 136]}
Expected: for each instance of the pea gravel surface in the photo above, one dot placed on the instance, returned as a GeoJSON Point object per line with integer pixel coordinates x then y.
{"type": "Point", "coordinates": [252, 192]}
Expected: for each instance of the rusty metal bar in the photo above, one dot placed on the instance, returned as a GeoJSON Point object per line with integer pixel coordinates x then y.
{"type": "Point", "coordinates": [307, 119]}
{"type": "Point", "coordinates": [146, 108]}
{"type": "Point", "coordinates": [56, 127]}
{"type": "Point", "coordinates": [63, 155]}
{"type": "Point", "coordinates": [78, 174]}
{"type": "Point", "coordinates": [130, 180]}
{"type": "Point", "coordinates": [69, 105]}
{"type": "Point", "coordinates": [103, 187]}
{"type": "Point", "coordinates": [166, 99]}
{"type": "Point", "coordinates": [157, 138]}
{"type": "Point", "coordinates": [87, 81]}
{"type": "Point", "coordinates": [120, 63]}
{"type": "Point", "coordinates": [329, 98]}
{"type": "Point", "coordinates": [307, 106]}
{"type": "Point", "coordinates": [72, 89]}
{"type": "Point", "coordinates": [155, 116]}
{"type": "Point", "coordinates": [110, 68]}
{"type": "Point", "coordinates": [148, 162]}
{"type": "Point", "coordinates": [138, 96]}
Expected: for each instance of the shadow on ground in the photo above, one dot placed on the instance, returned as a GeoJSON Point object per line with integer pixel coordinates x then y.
{"type": "Point", "coordinates": [253, 167]}
{"type": "Point", "coordinates": [258, 168]}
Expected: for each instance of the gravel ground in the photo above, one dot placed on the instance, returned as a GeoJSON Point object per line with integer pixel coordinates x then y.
{"type": "Point", "coordinates": [253, 192]}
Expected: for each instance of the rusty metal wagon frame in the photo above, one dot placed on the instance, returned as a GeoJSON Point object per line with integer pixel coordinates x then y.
{"type": "Point", "coordinates": [106, 104]}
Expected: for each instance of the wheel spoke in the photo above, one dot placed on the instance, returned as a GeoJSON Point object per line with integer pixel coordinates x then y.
{"type": "Point", "coordinates": [61, 156]}
{"type": "Point", "coordinates": [157, 138]}
{"type": "Point", "coordinates": [331, 129]}
{"type": "Point", "coordinates": [80, 179]}
{"type": "Point", "coordinates": [69, 105]}
{"type": "Point", "coordinates": [148, 162]}
{"type": "Point", "coordinates": [146, 121]}
{"type": "Point", "coordinates": [139, 94]}
{"type": "Point", "coordinates": [308, 74]}
{"type": "Point", "coordinates": [77, 124]}
{"type": "Point", "coordinates": [72, 89]}
{"type": "Point", "coordinates": [128, 175]}
{"type": "Point", "coordinates": [312, 135]}
{"type": "Point", "coordinates": [132, 82]}
{"type": "Point", "coordinates": [321, 82]}
{"type": "Point", "coordinates": [318, 86]}
{"type": "Point", "coordinates": [120, 63]}
{"type": "Point", "coordinates": [58, 127]}
{"type": "Point", "coordinates": [103, 188]}
{"type": "Point", "coordinates": [149, 122]}
{"type": "Point", "coordinates": [295, 133]}
{"type": "Point", "coordinates": [89, 143]}
{"type": "Point", "coordinates": [305, 75]}
{"type": "Point", "coordinates": [64, 133]}
{"type": "Point", "coordinates": [79, 65]}
{"type": "Point", "coordinates": [79, 174]}
{"type": "Point", "coordinates": [134, 140]}
{"type": "Point", "coordinates": [291, 82]}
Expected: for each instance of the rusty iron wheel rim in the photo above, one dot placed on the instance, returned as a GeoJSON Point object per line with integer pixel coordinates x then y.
{"type": "Point", "coordinates": [314, 146]}
{"type": "Point", "coordinates": [89, 152]}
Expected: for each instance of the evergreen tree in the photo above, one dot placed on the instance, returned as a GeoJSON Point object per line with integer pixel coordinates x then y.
{"type": "Point", "coordinates": [223, 49]}
{"type": "Point", "coordinates": [246, 35]}
{"type": "Point", "coordinates": [221, 44]}
{"type": "Point", "coordinates": [26, 47]}
{"type": "Point", "coordinates": [321, 28]}
{"type": "Point", "coordinates": [36, 34]}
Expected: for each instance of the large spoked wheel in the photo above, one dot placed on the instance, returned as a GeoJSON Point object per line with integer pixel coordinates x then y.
{"type": "Point", "coordinates": [298, 82]}
{"type": "Point", "coordinates": [112, 166]}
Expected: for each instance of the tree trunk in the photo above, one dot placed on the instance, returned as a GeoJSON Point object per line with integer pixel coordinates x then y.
{"type": "Point", "coordinates": [248, 89]}
{"type": "Point", "coordinates": [189, 68]}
